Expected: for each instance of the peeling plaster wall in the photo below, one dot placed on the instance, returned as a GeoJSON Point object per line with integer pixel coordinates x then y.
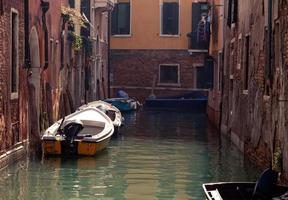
{"type": "Point", "coordinates": [256, 120]}
{"type": "Point", "coordinates": [13, 111]}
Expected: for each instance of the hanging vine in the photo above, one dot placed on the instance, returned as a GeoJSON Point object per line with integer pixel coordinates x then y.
{"type": "Point", "coordinates": [76, 40]}
{"type": "Point", "coordinates": [74, 16]}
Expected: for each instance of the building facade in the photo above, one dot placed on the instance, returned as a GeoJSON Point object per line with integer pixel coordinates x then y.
{"type": "Point", "coordinates": [159, 47]}
{"type": "Point", "coordinates": [49, 66]}
{"type": "Point", "coordinates": [254, 100]}
{"type": "Point", "coordinates": [101, 10]}
{"type": "Point", "coordinates": [13, 86]}
{"type": "Point", "coordinates": [216, 52]}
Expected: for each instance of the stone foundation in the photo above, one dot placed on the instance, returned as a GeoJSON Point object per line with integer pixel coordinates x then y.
{"type": "Point", "coordinates": [18, 152]}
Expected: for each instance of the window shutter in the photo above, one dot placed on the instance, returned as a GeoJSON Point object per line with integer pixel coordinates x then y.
{"type": "Point", "coordinates": [235, 11]}
{"type": "Point", "coordinates": [114, 20]}
{"type": "Point", "coordinates": [165, 15]}
{"type": "Point", "coordinates": [229, 17]}
{"type": "Point", "coordinates": [71, 3]}
{"type": "Point", "coordinates": [170, 18]}
{"type": "Point", "coordinates": [127, 18]}
{"type": "Point", "coordinates": [175, 18]}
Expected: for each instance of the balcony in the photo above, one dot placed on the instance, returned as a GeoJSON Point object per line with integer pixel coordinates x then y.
{"type": "Point", "coordinates": [105, 5]}
{"type": "Point", "coordinates": [198, 43]}
{"type": "Point", "coordinates": [199, 37]}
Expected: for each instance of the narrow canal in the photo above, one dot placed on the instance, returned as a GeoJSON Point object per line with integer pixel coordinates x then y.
{"type": "Point", "coordinates": [159, 155]}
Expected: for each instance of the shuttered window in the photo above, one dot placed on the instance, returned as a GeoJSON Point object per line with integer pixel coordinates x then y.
{"type": "Point", "coordinates": [1, 7]}
{"type": "Point", "coordinates": [14, 52]}
{"type": "Point", "coordinates": [232, 12]}
{"type": "Point", "coordinates": [170, 18]}
{"type": "Point", "coordinates": [72, 3]}
{"type": "Point", "coordinates": [169, 74]}
{"type": "Point", "coordinates": [121, 19]}
{"type": "Point", "coordinates": [200, 34]}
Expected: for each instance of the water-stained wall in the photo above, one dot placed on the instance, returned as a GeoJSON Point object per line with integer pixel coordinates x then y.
{"type": "Point", "coordinates": [254, 102]}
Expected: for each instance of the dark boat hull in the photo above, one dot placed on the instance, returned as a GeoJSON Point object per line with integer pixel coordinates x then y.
{"type": "Point", "coordinates": [190, 104]}
{"type": "Point", "coordinates": [193, 101]}
{"type": "Point", "coordinates": [235, 191]}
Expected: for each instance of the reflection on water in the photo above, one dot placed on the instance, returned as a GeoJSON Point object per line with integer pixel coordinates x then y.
{"type": "Point", "coordinates": [158, 155]}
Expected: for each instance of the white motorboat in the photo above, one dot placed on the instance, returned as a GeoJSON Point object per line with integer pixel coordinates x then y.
{"type": "Point", "coordinates": [110, 110]}
{"type": "Point", "coordinates": [84, 132]}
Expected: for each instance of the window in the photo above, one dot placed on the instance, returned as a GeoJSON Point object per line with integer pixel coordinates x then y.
{"type": "Point", "coordinates": [1, 7]}
{"type": "Point", "coordinates": [232, 12]}
{"type": "Point", "coordinates": [246, 79]}
{"type": "Point", "coordinates": [14, 53]}
{"type": "Point", "coordinates": [169, 74]}
{"type": "Point", "coordinates": [220, 68]}
{"type": "Point", "coordinates": [170, 18]}
{"type": "Point", "coordinates": [72, 3]}
{"type": "Point", "coordinates": [200, 34]}
{"type": "Point", "coordinates": [121, 18]}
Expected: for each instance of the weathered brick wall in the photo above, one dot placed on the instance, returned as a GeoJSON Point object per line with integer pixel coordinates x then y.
{"type": "Point", "coordinates": [13, 113]}
{"type": "Point", "coordinates": [138, 68]}
{"type": "Point", "coordinates": [256, 119]}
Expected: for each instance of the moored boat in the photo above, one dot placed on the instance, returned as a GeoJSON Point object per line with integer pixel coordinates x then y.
{"type": "Point", "coordinates": [196, 101]}
{"type": "Point", "coordinates": [236, 190]}
{"type": "Point", "coordinates": [110, 110]}
{"type": "Point", "coordinates": [124, 104]}
{"type": "Point", "coordinates": [84, 132]}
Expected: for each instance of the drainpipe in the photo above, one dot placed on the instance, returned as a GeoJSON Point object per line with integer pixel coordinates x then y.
{"type": "Point", "coordinates": [27, 63]}
{"type": "Point", "coordinates": [269, 70]}
{"type": "Point", "coordinates": [109, 54]}
{"type": "Point", "coordinates": [65, 18]}
{"type": "Point", "coordinates": [45, 8]}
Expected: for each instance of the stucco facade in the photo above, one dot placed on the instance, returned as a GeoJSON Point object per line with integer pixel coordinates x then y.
{"type": "Point", "coordinates": [137, 58]}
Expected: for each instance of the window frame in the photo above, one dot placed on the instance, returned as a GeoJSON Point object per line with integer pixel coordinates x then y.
{"type": "Point", "coordinates": [232, 15]}
{"type": "Point", "coordinates": [14, 94]}
{"type": "Point", "coordinates": [219, 72]}
{"type": "Point", "coordinates": [161, 20]}
{"type": "Point", "coordinates": [247, 63]}
{"type": "Point", "coordinates": [178, 75]}
{"type": "Point", "coordinates": [130, 23]}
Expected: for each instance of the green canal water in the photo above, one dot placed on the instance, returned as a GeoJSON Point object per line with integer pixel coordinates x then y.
{"type": "Point", "coordinates": [158, 155]}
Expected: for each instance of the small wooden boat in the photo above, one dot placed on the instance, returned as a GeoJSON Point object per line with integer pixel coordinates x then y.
{"type": "Point", "coordinates": [195, 101]}
{"type": "Point", "coordinates": [84, 132]}
{"type": "Point", "coordinates": [235, 190]}
{"type": "Point", "coordinates": [110, 110]}
{"type": "Point", "coordinates": [124, 104]}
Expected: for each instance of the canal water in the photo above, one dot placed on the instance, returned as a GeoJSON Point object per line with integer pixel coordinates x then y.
{"type": "Point", "coordinates": [157, 155]}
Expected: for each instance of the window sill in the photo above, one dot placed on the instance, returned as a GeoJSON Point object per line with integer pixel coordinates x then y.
{"type": "Point", "coordinates": [120, 36]}
{"type": "Point", "coordinates": [191, 51]}
{"type": "Point", "coordinates": [14, 96]}
{"type": "Point", "coordinates": [266, 98]}
{"type": "Point", "coordinates": [245, 92]}
{"type": "Point", "coordinates": [170, 36]}
{"type": "Point", "coordinates": [238, 66]}
{"type": "Point", "coordinates": [169, 84]}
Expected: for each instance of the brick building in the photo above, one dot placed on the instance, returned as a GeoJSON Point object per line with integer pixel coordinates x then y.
{"type": "Point", "coordinates": [13, 84]}
{"type": "Point", "coordinates": [163, 51]}
{"type": "Point", "coordinates": [56, 74]}
{"type": "Point", "coordinates": [254, 100]}
{"type": "Point", "coordinates": [216, 53]}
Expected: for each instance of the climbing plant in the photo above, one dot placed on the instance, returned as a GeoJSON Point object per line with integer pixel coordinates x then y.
{"type": "Point", "coordinates": [76, 40]}
{"type": "Point", "coordinates": [277, 160]}
{"type": "Point", "coordinates": [74, 16]}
